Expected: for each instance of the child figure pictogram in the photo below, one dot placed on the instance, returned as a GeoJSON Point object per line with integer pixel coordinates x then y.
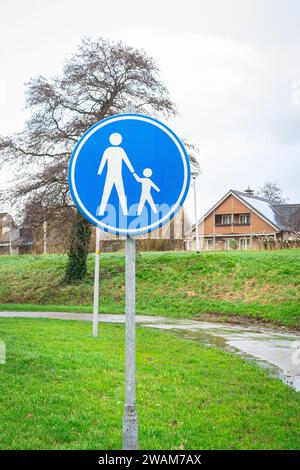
{"type": "Point", "coordinates": [147, 184]}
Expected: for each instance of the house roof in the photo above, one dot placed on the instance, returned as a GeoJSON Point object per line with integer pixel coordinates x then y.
{"type": "Point", "coordinates": [287, 210]}
{"type": "Point", "coordinates": [265, 208]}
{"type": "Point", "coordinates": [283, 217]}
{"type": "Point", "coordinates": [3, 214]}
{"type": "Point", "coordinates": [291, 214]}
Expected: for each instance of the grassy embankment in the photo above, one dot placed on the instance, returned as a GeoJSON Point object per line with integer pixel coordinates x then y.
{"type": "Point", "coordinates": [62, 389]}
{"type": "Point", "coordinates": [255, 285]}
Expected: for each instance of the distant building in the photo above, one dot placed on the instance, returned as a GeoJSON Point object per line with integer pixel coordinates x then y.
{"type": "Point", "coordinates": [171, 236]}
{"type": "Point", "coordinates": [241, 220]}
{"type": "Point", "coordinates": [53, 236]}
{"type": "Point", "coordinates": [13, 239]}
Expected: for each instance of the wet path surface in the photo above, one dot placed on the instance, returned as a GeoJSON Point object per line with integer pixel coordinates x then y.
{"type": "Point", "coordinates": [279, 352]}
{"type": "Point", "coordinates": [105, 318]}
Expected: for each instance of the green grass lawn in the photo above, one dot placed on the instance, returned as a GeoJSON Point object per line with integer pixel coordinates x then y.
{"type": "Point", "coordinates": [63, 389]}
{"type": "Point", "coordinates": [260, 285]}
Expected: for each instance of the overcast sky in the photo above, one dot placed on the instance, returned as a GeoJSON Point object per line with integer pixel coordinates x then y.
{"type": "Point", "coordinates": [231, 66]}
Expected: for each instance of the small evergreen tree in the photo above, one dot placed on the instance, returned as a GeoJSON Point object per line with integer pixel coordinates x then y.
{"type": "Point", "coordinates": [78, 250]}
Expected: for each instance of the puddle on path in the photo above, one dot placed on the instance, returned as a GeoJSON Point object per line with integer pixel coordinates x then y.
{"type": "Point", "coordinates": [279, 352]}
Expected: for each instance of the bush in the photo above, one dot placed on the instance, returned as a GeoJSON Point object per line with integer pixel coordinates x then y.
{"type": "Point", "coordinates": [233, 244]}
{"type": "Point", "coordinates": [79, 247]}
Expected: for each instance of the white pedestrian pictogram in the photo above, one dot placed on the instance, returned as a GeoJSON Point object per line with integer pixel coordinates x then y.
{"type": "Point", "coordinates": [147, 184]}
{"type": "Point", "coordinates": [114, 157]}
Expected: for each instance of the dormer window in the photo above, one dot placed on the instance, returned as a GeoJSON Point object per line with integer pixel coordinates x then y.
{"type": "Point", "coordinates": [236, 219]}
{"type": "Point", "coordinates": [244, 219]}
{"type": "Point", "coordinates": [223, 219]}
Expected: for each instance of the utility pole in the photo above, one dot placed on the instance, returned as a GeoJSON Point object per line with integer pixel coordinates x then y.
{"type": "Point", "coordinates": [195, 173]}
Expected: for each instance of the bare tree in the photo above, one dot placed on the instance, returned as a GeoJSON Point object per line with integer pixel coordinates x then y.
{"type": "Point", "coordinates": [272, 191]}
{"type": "Point", "coordinates": [99, 80]}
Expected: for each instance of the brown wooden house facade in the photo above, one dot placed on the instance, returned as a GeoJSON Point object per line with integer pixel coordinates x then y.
{"type": "Point", "coordinates": [241, 220]}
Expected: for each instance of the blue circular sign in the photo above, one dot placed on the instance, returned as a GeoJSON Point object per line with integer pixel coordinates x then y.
{"type": "Point", "coordinates": [129, 174]}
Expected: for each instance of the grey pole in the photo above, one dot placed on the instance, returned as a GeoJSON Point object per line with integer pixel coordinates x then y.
{"type": "Point", "coordinates": [194, 175]}
{"type": "Point", "coordinates": [45, 236]}
{"type": "Point", "coordinates": [96, 284]}
{"type": "Point", "coordinates": [130, 421]}
{"type": "Point", "coordinates": [10, 245]}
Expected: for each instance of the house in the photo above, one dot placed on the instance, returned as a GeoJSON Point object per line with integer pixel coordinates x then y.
{"type": "Point", "coordinates": [7, 233]}
{"type": "Point", "coordinates": [13, 239]}
{"type": "Point", "coordinates": [171, 236]}
{"type": "Point", "coordinates": [53, 236]}
{"type": "Point", "coordinates": [244, 221]}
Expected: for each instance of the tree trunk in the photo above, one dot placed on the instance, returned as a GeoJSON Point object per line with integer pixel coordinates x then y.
{"type": "Point", "coordinates": [78, 250]}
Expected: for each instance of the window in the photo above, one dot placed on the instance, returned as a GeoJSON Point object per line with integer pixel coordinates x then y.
{"type": "Point", "coordinates": [244, 243]}
{"type": "Point", "coordinates": [244, 219]}
{"type": "Point", "coordinates": [227, 244]}
{"type": "Point", "coordinates": [209, 244]}
{"type": "Point", "coordinates": [223, 219]}
{"type": "Point", "coordinates": [226, 219]}
{"type": "Point", "coordinates": [4, 228]}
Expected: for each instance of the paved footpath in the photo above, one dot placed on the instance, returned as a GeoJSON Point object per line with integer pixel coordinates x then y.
{"type": "Point", "coordinates": [274, 348]}
{"type": "Point", "coordinates": [106, 318]}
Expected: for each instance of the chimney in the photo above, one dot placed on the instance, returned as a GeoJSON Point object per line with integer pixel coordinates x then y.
{"type": "Point", "coordinates": [249, 191]}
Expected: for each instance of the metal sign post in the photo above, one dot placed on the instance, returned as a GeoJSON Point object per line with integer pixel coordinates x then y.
{"type": "Point", "coordinates": [194, 176]}
{"type": "Point", "coordinates": [130, 421]}
{"type": "Point", "coordinates": [129, 174]}
{"type": "Point", "coordinates": [96, 283]}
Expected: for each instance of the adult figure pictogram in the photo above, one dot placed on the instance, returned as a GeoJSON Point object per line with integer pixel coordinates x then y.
{"type": "Point", "coordinates": [114, 157]}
